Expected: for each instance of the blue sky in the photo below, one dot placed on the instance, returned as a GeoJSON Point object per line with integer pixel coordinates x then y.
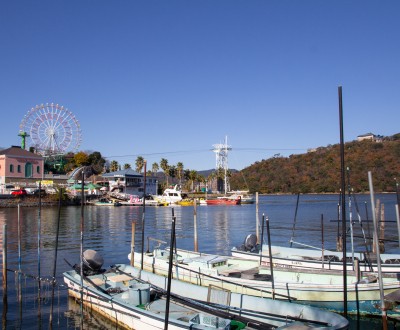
{"type": "Point", "coordinates": [168, 79]}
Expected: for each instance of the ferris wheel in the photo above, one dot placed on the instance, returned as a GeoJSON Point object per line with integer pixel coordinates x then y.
{"type": "Point", "coordinates": [52, 129]}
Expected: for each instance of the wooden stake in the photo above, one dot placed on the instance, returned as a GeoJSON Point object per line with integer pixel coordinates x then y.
{"type": "Point", "coordinates": [260, 241]}
{"type": "Point", "coordinates": [378, 257]}
{"type": "Point", "coordinates": [196, 246]}
{"type": "Point", "coordinates": [133, 243]}
{"type": "Point", "coordinates": [5, 265]}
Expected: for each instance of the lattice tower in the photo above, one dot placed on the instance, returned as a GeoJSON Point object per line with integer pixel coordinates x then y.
{"type": "Point", "coordinates": [221, 159]}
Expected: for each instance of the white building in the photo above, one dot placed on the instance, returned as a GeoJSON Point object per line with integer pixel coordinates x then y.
{"type": "Point", "coordinates": [130, 182]}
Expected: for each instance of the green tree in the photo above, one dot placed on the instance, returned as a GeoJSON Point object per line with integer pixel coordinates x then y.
{"type": "Point", "coordinates": [97, 162]}
{"type": "Point", "coordinates": [179, 171]}
{"type": "Point", "coordinates": [172, 171]}
{"type": "Point", "coordinates": [114, 166]}
{"type": "Point", "coordinates": [126, 166]}
{"type": "Point", "coordinates": [155, 168]}
{"type": "Point", "coordinates": [139, 164]}
{"type": "Point", "coordinates": [192, 178]}
{"type": "Point", "coordinates": [165, 167]}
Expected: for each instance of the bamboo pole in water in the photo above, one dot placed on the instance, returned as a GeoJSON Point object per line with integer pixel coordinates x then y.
{"type": "Point", "coordinates": [262, 238]}
{"type": "Point", "coordinates": [322, 240]}
{"type": "Point", "coordinates": [382, 230]}
{"type": "Point", "coordinates": [294, 220]}
{"type": "Point", "coordinates": [270, 259]}
{"type": "Point", "coordinates": [398, 221]}
{"type": "Point", "coordinates": [343, 201]}
{"type": "Point", "coordinates": [53, 282]}
{"type": "Point", "coordinates": [260, 241]}
{"type": "Point", "coordinates": [19, 258]}
{"type": "Point", "coordinates": [82, 231]}
{"type": "Point", "coordinates": [5, 265]}
{"type": "Point", "coordinates": [171, 260]}
{"type": "Point", "coordinates": [5, 304]}
{"type": "Point", "coordinates": [143, 214]}
{"type": "Point", "coordinates": [38, 248]}
{"type": "Point", "coordinates": [133, 243]}
{"type": "Point", "coordinates": [378, 257]}
{"type": "Point", "coordinates": [196, 246]}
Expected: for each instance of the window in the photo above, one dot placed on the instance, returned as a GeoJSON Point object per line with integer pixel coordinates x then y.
{"type": "Point", "coordinates": [19, 168]}
{"type": "Point", "coordinates": [37, 169]}
{"type": "Point", "coordinates": [11, 168]}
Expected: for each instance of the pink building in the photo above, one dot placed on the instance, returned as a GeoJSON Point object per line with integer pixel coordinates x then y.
{"type": "Point", "coordinates": [20, 166]}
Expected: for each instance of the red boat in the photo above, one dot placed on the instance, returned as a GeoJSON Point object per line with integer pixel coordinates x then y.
{"type": "Point", "coordinates": [223, 201]}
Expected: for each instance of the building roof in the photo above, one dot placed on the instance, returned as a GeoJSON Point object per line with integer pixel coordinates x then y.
{"type": "Point", "coordinates": [366, 134]}
{"type": "Point", "coordinates": [19, 152]}
{"type": "Point", "coordinates": [122, 173]}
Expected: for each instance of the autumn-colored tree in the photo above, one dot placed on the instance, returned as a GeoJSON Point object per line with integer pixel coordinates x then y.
{"type": "Point", "coordinates": [81, 159]}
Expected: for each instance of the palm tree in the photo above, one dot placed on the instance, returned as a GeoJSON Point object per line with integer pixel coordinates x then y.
{"type": "Point", "coordinates": [193, 177]}
{"type": "Point", "coordinates": [139, 164]}
{"type": "Point", "coordinates": [155, 168]}
{"type": "Point", "coordinates": [179, 170]}
{"type": "Point", "coordinates": [126, 166]}
{"type": "Point", "coordinates": [165, 167]}
{"type": "Point", "coordinates": [114, 166]}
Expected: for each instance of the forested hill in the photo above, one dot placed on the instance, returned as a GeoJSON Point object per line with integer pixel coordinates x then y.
{"type": "Point", "coordinates": [318, 171]}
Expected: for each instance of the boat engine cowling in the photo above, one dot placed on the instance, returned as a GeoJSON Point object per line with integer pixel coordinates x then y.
{"type": "Point", "coordinates": [92, 261]}
{"type": "Point", "coordinates": [250, 242]}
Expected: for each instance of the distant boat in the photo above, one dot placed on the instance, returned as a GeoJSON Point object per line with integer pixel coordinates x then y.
{"type": "Point", "coordinates": [170, 195]}
{"type": "Point", "coordinates": [106, 202]}
{"type": "Point", "coordinates": [245, 197]}
{"type": "Point", "coordinates": [223, 201]}
{"type": "Point", "coordinates": [135, 200]}
{"type": "Point", "coordinates": [186, 202]}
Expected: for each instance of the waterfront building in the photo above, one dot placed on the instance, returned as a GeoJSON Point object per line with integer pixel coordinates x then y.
{"type": "Point", "coordinates": [128, 181]}
{"type": "Point", "coordinates": [20, 167]}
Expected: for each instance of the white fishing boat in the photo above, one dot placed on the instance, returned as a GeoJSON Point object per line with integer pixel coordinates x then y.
{"type": "Point", "coordinates": [135, 200]}
{"type": "Point", "coordinates": [245, 196]}
{"type": "Point", "coordinates": [131, 303]}
{"type": "Point", "coordinates": [135, 299]}
{"type": "Point", "coordinates": [170, 195]}
{"type": "Point", "coordinates": [314, 258]}
{"type": "Point", "coordinates": [314, 288]}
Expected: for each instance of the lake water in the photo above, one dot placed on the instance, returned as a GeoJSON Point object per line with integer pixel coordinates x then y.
{"type": "Point", "coordinates": [108, 231]}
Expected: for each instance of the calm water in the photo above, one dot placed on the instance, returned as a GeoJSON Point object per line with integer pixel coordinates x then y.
{"type": "Point", "coordinates": [108, 230]}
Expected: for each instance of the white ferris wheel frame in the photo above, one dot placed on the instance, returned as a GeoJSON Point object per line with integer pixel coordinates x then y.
{"type": "Point", "coordinates": [52, 129]}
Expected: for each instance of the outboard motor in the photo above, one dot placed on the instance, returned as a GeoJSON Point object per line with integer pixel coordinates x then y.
{"type": "Point", "coordinates": [250, 242]}
{"type": "Point", "coordinates": [92, 263]}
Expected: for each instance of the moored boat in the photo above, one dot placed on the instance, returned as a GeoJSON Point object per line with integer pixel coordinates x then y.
{"type": "Point", "coordinates": [170, 195]}
{"type": "Point", "coordinates": [134, 298]}
{"type": "Point", "coordinates": [223, 201]}
{"type": "Point", "coordinates": [245, 197]}
{"type": "Point", "coordinates": [318, 289]}
{"type": "Point", "coordinates": [314, 258]}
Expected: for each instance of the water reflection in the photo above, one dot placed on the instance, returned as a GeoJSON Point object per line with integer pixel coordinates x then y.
{"type": "Point", "coordinates": [108, 230]}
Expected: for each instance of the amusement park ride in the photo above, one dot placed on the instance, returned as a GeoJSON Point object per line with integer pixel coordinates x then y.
{"type": "Point", "coordinates": [53, 131]}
